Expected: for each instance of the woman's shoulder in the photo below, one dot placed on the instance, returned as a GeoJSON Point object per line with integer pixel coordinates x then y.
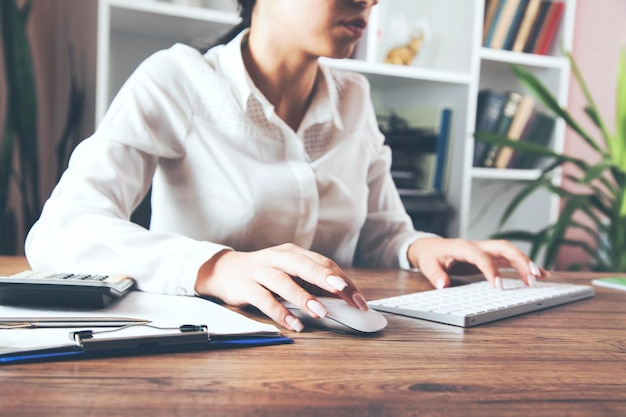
{"type": "Point", "coordinates": [179, 65]}
{"type": "Point", "coordinates": [179, 69]}
{"type": "Point", "coordinates": [177, 58]}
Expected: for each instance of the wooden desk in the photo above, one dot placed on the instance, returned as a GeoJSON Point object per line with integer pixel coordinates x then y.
{"type": "Point", "coordinates": [567, 361]}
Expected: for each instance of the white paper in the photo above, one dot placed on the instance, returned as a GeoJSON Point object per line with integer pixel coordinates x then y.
{"type": "Point", "coordinates": [160, 310]}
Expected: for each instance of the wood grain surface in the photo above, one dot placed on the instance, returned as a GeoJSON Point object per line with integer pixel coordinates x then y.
{"type": "Point", "coordinates": [565, 361]}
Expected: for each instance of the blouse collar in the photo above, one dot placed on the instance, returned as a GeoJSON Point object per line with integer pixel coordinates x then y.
{"type": "Point", "coordinates": [324, 106]}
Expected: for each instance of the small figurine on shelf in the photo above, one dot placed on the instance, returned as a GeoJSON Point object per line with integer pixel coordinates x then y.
{"type": "Point", "coordinates": [417, 31]}
{"type": "Point", "coordinates": [404, 55]}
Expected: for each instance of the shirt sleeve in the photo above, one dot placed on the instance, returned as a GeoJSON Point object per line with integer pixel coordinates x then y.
{"type": "Point", "coordinates": [85, 224]}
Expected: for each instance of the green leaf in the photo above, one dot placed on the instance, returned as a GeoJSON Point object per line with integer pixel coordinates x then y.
{"type": "Point", "coordinates": [520, 197]}
{"type": "Point", "coordinates": [536, 239]}
{"type": "Point", "coordinates": [524, 146]}
{"type": "Point", "coordinates": [596, 202]}
{"type": "Point", "coordinates": [533, 84]}
{"type": "Point", "coordinates": [593, 115]}
{"type": "Point", "coordinates": [614, 148]}
{"type": "Point", "coordinates": [580, 244]}
{"type": "Point", "coordinates": [517, 235]}
{"type": "Point", "coordinates": [560, 228]}
{"type": "Point", "coordinates": [596, 171]}
{"type": "Point", "coordinates": [620, 113]}
{"type": "Point", "coordinates": [531, 148]}
{"type": "Point", "coordinates": [593, 233]}
{"type": "Point", "coordinates": [21, 102]}
{"type": "Point", "coordinates": [6, 155]}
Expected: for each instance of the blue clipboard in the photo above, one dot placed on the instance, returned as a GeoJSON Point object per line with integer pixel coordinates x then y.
{"type": "Point", "coordinates": [88, 344]}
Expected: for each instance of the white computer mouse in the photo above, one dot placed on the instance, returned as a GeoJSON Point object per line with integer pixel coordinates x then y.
{"type": "Point", "coordinates": [341, 317]}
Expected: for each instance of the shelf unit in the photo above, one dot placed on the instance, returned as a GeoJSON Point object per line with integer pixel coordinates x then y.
{"type": "Point", "coordinates": [450, 68]}
{"type": "Point", "coordinates": [492, 189]}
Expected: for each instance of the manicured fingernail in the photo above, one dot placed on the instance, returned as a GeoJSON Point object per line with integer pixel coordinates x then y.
{"type": "Point", "coordinates": [534, 269]}
{"type": "Point", "coordinates": [498, 282]}
{"type": "Point", "coordinates": [294, 323]}
{"type": "Point", "coordinates": [440, 284]}
{"type": "Point", "coordinates": [317, 308]}
{"type": "Point", "coordinates": [336, 282]}
{"type": "Point", "coordinates": [531, 280]}
{"type": "Point", "coordinates": [360, 301]}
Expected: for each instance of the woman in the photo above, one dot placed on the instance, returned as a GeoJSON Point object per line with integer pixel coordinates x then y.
{"type": "Point", "coordinates": [268, 173]}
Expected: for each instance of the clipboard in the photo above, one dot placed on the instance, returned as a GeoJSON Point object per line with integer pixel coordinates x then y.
{"type": "Point", "coordinates": [154, 327]}
{"type": "Point", "coordinates": [83, 344]}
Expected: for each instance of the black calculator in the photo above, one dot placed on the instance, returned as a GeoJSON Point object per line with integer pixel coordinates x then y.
{"type": "Point", "coordinates": [34, 288]}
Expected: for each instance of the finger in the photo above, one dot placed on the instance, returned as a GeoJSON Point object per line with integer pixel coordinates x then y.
{"type": "Point", "coordinates": [435, 272]}
{"type": "Point", "coordinates": [469, 252]}
{"type": "Point", "coordinates": [265, 301]}
{"type": "Point", "coordinates": [336, 278]}
{"type": "Point", "coordinates": [436, 256]}
{"type": "Point", "coordinates": [281, 284]}
{"type": "Point", "coordinates": [528, 271]}
{"type": "Point", "coordinates": [319, 271]}
{"type": "Point", "coordinates": [313, 289]}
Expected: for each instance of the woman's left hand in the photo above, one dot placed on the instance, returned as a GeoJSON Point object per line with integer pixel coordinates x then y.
{"type": "Point", "coordinates": [435, 257]}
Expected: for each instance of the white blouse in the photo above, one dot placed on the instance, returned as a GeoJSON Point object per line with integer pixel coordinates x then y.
{"type": "Point", "coordinates": [226, 172]}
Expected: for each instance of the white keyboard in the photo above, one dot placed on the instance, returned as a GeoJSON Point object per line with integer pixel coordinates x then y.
{"type": "Point", "coordinates": [478, 303]}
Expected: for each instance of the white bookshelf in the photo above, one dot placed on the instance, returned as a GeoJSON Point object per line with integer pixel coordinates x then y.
{"type": "Point", "coordinates": [450, 69]}
{"type": "Point", "coordinates": [492, 189]}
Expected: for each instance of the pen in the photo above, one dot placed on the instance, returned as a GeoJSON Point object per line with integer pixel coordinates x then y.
{"type": "Point", "coordinates": [50, 322]}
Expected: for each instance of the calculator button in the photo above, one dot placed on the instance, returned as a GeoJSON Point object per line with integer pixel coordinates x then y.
{"type": "Point", "coordinates": [97, 277]}
{"type": "Point", "coordinates": [79, 277]}
{"type": "Point", "coordinates": [116, 278]}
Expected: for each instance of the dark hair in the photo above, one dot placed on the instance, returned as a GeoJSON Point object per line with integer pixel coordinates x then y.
{"type": "Point", "coordinates": [245, 12]}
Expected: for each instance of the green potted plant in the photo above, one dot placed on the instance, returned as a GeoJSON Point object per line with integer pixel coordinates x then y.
{"type": "Point", "coordinates": [19, 164]}
{"type": "Point", "coordinates": [20, 194]}
{"type": "Point", "coordinates": [598, 198]}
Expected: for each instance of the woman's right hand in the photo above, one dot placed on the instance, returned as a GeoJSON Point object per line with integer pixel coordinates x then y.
{"type": "Point", "coordinates": [254, 278]}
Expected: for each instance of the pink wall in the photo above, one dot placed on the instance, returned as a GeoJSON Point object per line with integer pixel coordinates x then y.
{"type": "Point", "coordinates": [599, 34]}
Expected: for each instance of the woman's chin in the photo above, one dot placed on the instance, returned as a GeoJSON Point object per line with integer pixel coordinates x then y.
{"type": "Point", "coordinates": [341, 53]}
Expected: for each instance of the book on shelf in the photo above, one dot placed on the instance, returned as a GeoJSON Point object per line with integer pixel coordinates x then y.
{"type": "Point", "coordinates": [490, 11]}
{"type": "Point", "coordinates": [419, 140]}
{"type": "Point", "coordinates": [527, 22]}
{"type": "Point", "coordinates": [491, 24]}
{"type": "Point", "coordinates": [548, 31]}
{"type": "Point", "coordinates": [520, 119]}
{"type": "Point", "coordinates": [522, 25]}
{"type": "Point", "coordinates": [514, 115]}
{"type": "Point", "coordinates": [516, 23]}
{"type": "Point", "coordinates": [513, 99]}
{"type": "Point", "coordinates": [529, 46]}
{"type": "Point", "coordinates": [503, 23]}
{"type": "Point", "coordinates": [488, 109]}
{"type": "Point", "coordinates": [538, 130]}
